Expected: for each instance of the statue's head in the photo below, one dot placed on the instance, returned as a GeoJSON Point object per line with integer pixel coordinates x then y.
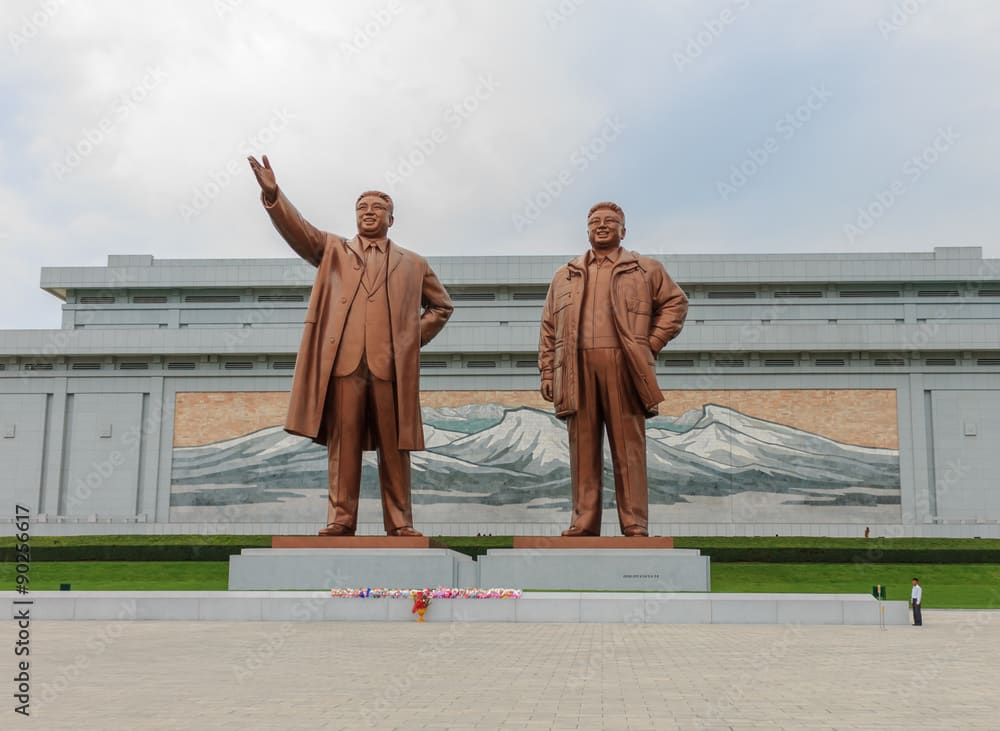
{"type": "Point", "coordinates": [605, 225]}
{"type": "Point", "coordinates": [374, 213]}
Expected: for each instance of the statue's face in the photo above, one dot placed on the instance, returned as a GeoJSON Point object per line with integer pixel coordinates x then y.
{"type": "Point", "coordinates": [605, 229]}
{"type": "Point", "coordinates": [374, 217]}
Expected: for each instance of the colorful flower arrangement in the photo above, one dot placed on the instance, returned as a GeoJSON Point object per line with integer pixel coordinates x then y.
{"type": "Point", "coordinates": [421, 600]}
{"type": "Point", "coordinates": [422, 597]}
{"type": "Point", "coordinates": [441, 592]}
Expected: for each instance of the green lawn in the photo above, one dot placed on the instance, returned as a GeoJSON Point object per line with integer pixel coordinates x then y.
{"type": "Point", "coordinates": [123, 575]}
{"type": "Point", "coordinates": [972, 586]}
{"type": "Point", "coordinates": [953, 586]}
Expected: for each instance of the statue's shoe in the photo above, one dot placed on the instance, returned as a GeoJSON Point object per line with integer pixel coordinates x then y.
{"type": "Point", "coordinates": [574, 532]}
{"type": "Point", "coordinates": [406, 531]}
{"type": "Point", "coordinates": [336, 529]}
{"type": "Point", "coordinates": [634, 531]}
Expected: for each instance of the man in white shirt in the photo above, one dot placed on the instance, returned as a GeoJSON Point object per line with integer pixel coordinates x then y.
{"type": "Point", "coordinates": [916, 596]}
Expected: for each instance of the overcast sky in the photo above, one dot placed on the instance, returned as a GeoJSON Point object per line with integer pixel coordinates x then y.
{"type": "Point", "coordinates": [719, 125]}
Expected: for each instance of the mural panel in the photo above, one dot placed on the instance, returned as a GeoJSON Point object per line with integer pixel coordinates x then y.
{"type": "Point", "coordinates": [764, 456]}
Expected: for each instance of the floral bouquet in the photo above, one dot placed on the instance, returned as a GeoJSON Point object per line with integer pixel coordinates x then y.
{"type": "Point", "coordinates": [421, 600]}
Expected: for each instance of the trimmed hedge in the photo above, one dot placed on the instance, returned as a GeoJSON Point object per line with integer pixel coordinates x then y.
{"type": "Point", "coordinates": [475, 545]}
{"type": "Point", "coordinates": [126, 553]}
{"type": "Point", "coordinates": [851, 555]}
{"type": "Point", "coordinates": [134, 547]}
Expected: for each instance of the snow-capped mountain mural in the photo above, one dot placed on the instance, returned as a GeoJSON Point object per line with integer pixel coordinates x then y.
{"type": "Point", "coordinates": [517, 457]}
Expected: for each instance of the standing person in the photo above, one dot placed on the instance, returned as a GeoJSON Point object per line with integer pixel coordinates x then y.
{"type": "Point", "coordinates": [356, 385]}
{"type": "Point", "coordinates": [607, 314]}
{"type": "Point", "coordinates": [916, 598]}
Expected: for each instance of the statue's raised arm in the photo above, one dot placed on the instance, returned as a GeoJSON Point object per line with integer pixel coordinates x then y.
{"type": "Point", "coordinates": [305, 239]}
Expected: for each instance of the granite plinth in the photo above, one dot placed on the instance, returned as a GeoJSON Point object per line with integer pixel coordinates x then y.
{"type": "Point", "coordinates": [354, 542]}
{"type": "Point", "coordinates": [568, 607]}
{"type": "Point", "coordinates": [596, 569]}
{"type": "Point", "coordinates": [636, 542]}
{"type": "Point", "coordinates": [273, 569]}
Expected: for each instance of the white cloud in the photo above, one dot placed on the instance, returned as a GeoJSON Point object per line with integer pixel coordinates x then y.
{"type": "Point", "coordinates": [150, 108]}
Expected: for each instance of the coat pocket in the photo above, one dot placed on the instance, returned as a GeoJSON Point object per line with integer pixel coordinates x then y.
{"type": "Point", "coordinates": [638, 306]}
{"type": "Point", "coordinates": [639, 314]}
{"type": "Point", "coordinates": [558, 354]}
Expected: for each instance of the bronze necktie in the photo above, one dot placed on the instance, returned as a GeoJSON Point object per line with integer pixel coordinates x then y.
{"type": "Point", "coordinates": [371, 265]}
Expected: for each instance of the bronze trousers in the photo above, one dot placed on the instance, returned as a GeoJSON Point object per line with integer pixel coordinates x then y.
{"type": "Point", "coordinates": [608, 400]}
{"type": "Point", "coordinates": [355, 404]}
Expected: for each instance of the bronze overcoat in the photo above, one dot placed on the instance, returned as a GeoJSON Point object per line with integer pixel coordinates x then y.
{"type": "Point", "coordinates": [649, 311]}
{"type": "Point", "coordinates": [419, 306]}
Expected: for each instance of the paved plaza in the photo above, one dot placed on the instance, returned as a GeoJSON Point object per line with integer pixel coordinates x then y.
{"type": "Point", "coordinates": [272, 675]}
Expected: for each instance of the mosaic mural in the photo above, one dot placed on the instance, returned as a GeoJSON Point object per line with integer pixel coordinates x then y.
{"type": "Point", "coordinates": [721, 456]}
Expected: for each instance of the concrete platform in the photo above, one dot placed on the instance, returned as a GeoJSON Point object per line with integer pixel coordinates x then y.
{"type": "Point", "coordinates": [596, 569]}
{"type": "Point", "coordinates": [533, 607]}
{"type": "Point", "coordinates": [354, 542]}
{"type": "Point", "coordinates": [273, 569]}
{"type": "Point", "coordinates": [593, 542]}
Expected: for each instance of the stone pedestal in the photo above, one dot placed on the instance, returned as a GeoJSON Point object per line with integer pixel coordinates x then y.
{"type": "Point", "coordinates": [593, 542]}
{"type": "Point", "coordinates": [354, 542]}
{"type": "Point", "coordinates": [349, 568]}
{"type": "Point", "coordinates": [596, 569]}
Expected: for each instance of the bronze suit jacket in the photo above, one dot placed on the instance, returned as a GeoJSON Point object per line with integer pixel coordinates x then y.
{"type": "Point", "coordinates": [419, 307]}
{"type": "Point", "coordinates": [649, 311]}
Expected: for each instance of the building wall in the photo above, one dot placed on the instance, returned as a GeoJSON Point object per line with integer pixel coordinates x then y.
{"type": "Point", "coordinates": [899, 353]}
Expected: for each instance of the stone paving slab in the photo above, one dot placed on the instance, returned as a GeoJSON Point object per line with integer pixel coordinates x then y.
{"type": "Point", "coordinates": [320, 675]}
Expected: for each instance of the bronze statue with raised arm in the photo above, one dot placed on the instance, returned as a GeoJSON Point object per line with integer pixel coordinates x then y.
{"type": "Point", "coordinates": [607, 314]}
{"type": "Point", "coordinates": [374, 304]}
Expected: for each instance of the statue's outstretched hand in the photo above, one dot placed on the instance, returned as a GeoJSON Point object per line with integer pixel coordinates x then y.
{"type": "Point", "coordinates": [265, 178]}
